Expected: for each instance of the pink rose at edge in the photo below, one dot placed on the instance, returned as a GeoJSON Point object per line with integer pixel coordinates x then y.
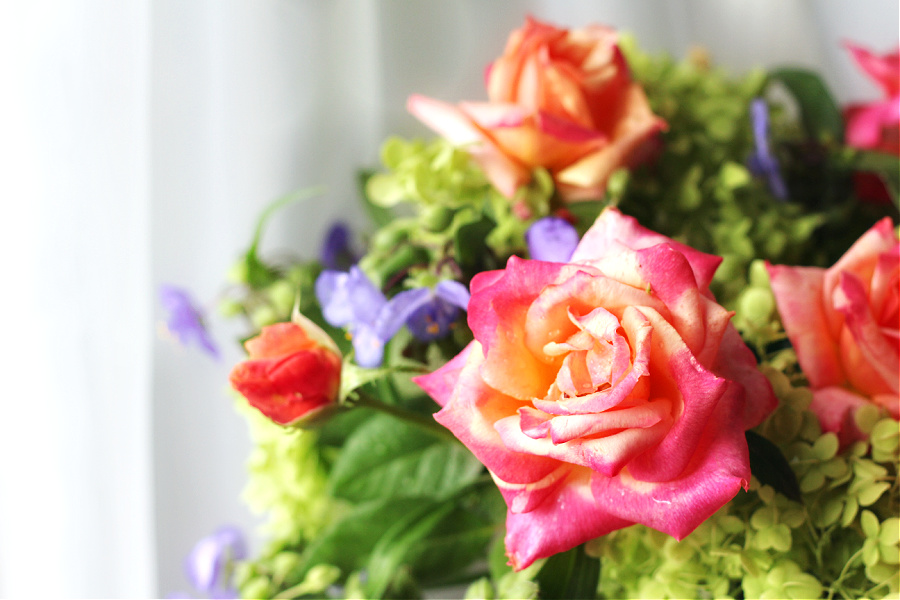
{"type": "Point", "coordinates": [559, 99]}
{"type": "Point", "coordinates": [843, 323]}
{"type": "Point", "coordinates": [604, 392]}
{"type": "Point", "coordinates": [876, 125]}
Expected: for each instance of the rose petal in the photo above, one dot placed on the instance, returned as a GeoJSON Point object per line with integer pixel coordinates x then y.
{"type": "Point", "coordinates": [871, 359]}
{"type": "Point", "coordinates": [697, 389]}
{"type": "Point", "coordinates": [799, 295]}
{"type": "Point", "coordinates": [612, 230]}
{"type": "Point", "coordinates": [470, 414]}
{"type": "Point", "coordinates": [568, 517]}
{"type": "Point", "coordinates": [717, 470]}
{"type": "Point", "coordinates": [835, 406]}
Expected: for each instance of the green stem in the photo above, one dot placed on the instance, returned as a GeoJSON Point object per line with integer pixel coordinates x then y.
{"type": "Point", "coordinates": [413, 418]}
{"type": "Point", "coordinates": [275, 206]}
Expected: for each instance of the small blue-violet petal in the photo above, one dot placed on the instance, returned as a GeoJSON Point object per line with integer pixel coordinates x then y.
{"type": "Point", "coordinates": [210, 554]}
{"type": "Point", "coordinates": [398, 309]}
{"type": "Point", "coordinates": [453, 292]}
{"type": "Point", "coordinates": [551, 239]}
{"type": "Point", "coordinates": [762, 162]}
{"type": "Point", "coordinates": [185, 320]}
{"type": "Point", "coordinates": [333, 295]}
{"type": "Point", "coordinates": [366, 300]}
{"type": "Point", "coordinates": [368, 347]}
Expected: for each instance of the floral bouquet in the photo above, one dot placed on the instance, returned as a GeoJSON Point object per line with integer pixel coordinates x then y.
{"type": "Point", "coordinates": [628, 328]}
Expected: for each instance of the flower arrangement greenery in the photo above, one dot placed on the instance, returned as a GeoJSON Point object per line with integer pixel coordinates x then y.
{"type": "Point", "coordinates": [629, 328]}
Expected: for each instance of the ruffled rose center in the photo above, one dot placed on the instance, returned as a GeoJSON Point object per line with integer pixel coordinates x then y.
{"type": "Point", "coordinates": [597, 411]}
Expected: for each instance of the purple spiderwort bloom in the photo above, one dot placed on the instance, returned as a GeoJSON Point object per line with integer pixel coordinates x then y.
{"type": "Point", "coordinates": [762, 162]}
{"type": "Point", "coordinates": [552, 239]}
{"type": "Point", "coordinates": [351, 300]}
{"type": "Point", "coordinates": [185, 320]}
{"type": "Point", "coordinates": [336, 251]}
{"type": "Point", "coordinates": [207, 561]}
{"type": "Point", "coordinates": [432, 312]}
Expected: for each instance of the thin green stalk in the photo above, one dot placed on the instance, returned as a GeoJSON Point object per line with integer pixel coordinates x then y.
{"type": "Point", "coordinates": [413, 418]}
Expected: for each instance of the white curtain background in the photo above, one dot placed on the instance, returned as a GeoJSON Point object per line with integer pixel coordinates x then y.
{"type": "Point", "coordinates": [138, 142]}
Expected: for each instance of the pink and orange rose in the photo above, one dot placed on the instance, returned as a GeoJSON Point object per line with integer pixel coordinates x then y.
{"type": "Point", "coordinates": [293, 372]}
{"type": "Point", "coordinates": [843, 324]}
{"type": "Point", "coordinates": [603, 392]}
{"type": "Point", "coordinates": [559, 99]}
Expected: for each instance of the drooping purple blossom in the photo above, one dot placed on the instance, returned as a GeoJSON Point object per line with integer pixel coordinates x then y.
{"type": "Point", "coordinates": [762, 162]}
{"type": "Point", "coordinates": [185, 320]}
{"type": "Point", "coordinates": [552, 239]}
{"type": "Point", "coordinates": [351, 300]}
{"type": "Point", "coordinates": [205, 565]}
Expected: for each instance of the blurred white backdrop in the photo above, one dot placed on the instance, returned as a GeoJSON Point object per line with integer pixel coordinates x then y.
{"type": "Point", "coordinates": [138, 142]}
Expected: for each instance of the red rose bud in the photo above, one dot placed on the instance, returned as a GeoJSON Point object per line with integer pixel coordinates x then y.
{"type": "Point", "coordinates": [293, 372]}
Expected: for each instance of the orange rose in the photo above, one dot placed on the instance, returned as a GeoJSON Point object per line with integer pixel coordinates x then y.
{"type": "Point", "coordinates": [293, 373]}
{"type": "Point", "coordinates": [560, 99]}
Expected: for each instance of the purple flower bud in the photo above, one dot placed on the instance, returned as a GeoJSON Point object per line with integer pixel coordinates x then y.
{"type": "Point", "coordinates": [552, 239]}
{"type": "Point", "coordinates": [336, 251]}
{"type": "Point", "coordinates": [762, 162]}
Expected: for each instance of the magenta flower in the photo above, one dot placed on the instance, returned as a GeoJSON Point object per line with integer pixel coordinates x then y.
{"type": "Point", "coordinates": [874, 125]}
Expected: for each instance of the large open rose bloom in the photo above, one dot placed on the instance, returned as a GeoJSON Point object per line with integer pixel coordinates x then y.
{"type": "Point", "coordinates": [559, 99]}
{"type": "Point", "coordinates": [292, 374]}
{"type": "Point", "coordinates": [603, 392]}
{"type": "Point", "coordinates": [843, 324]}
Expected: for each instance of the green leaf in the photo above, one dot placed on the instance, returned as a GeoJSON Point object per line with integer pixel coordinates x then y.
{"type": "Point", "coordinates": [387, 458]}
{"type": "Point", "coordinates": [569, 575]}
{"type": "Point", "coordinates": [820, 112]}
{"type": "Point", "coordinates": [348, 542]}
{"type": "Point", "coordinates": [470, 244]}
{"type": "Point", "coordinates": [459, 540]}
{"type": "Point", "coordinates": [394, 548]}
{"type": "Point", "coordinates": [770, 466]}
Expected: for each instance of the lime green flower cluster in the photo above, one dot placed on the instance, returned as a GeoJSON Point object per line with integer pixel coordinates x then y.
{"type": "Point", "coordinates": [699, 189]}
{"type": "Point", "coordinates": [287, 484]}
{"type": "Point", "coordinates": [839, 541]}
{"type": "Point", "coordinates": [454, 218]}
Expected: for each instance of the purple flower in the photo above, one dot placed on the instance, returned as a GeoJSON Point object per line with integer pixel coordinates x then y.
{"type": "Point", "coordinates": [336, 251]}
{"type": "Point", "coordinates": [211, 556]}
{"type": "Point", "coordinates": [185, 320]}
{"type": "Point", "coordinates": [351, 300]}
{"type": "Point", "coordinates": [552, 239]}
{"type": "Point", "coordinates": [762, 162]}
{"type": "Point", "coordinates": [431, 312]}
